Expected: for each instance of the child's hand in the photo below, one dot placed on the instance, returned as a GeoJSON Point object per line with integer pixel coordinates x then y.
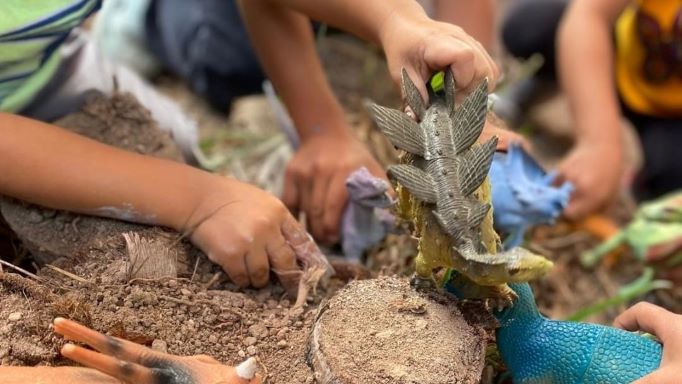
{"type": "Point", "coordinates": [247, 231]}
{"type": "Point", "coordinates": [505, 137]}
{"type": "Point", "coordinates": [134, 364]}
{"type": "Point", "coordinates": [316, 176]}
{"type": "Point", "coordinates": [665, 325]}
{"type": "Point", "coordinates": [423, 46]}
{"type": "Point", "coordinates": [595, 172]}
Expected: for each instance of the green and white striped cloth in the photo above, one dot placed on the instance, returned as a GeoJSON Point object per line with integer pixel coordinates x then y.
{"type": "Point", "coordinates": [31, 32]}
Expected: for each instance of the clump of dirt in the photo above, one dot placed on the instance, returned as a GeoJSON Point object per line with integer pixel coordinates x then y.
{"type": "Point", "coordinates": [383, 331]}
{"type": "Point", "coordinates": [121, 121]}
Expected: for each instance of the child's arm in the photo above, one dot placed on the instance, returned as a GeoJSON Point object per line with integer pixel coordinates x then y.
{"type": "Point", "coordinates": [281, 35]}
{"type": "Point", "coordinates": [53, 375]}
{"type": "Point", "coordinates": [665, 325]}
{"type": "Point", "coordinates": [586, 70]}
{"type": "Point", "coordinates": [315, 181]}
{"type": "Point", "coordinates": [477, 18]}
{"type": "Point", "coordinates": [409, 38]}
{"type": "Point", "coordinates": [243, 229]}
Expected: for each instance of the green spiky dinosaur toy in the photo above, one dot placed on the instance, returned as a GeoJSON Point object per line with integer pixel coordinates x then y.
{"type": "Point", "coordinates": [443, 191]}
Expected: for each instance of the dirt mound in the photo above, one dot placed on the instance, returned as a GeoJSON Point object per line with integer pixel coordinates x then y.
{"type": "Point", "coordinates": [383, 331]}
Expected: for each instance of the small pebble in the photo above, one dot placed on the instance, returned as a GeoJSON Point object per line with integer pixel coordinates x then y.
{"type": "Point", "coordinates": [258, 331]}
{"type": "Point", "coordinates": [281, 334]}
{"type": "Point", "coordinates": [281, 344]}
{"type": "Point", "coordinates": [249, 341]}
{"type": "Point", "coordinates": [251, 350]}
{"type": "Point", "coordinates": [172, 283]}
{"type": "Point", "coordinates": [212, 339]}
{"type": "Point", "coordinates": [186, 292]}
{"type": "Point", "coordinates": [241, 353]}
{"type": "Point", "coordinates": [14, 316]}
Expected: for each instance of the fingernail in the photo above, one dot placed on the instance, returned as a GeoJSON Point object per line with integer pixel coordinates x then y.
{"type": "Point", "coordinates": [58, 320]}
{"type": "Point", "coordinates": [247, 370]}
{"type": "Point", "coordinates": [68, 348]}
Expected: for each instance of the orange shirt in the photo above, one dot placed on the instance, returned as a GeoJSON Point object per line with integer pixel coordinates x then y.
{"type": "Point", "coordinates": [662, 97]}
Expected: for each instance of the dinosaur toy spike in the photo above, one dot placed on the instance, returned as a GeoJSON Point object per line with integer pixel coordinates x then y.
{"type": "Point", "coordinates": [450, 89]}
{"type": "Point", "coordinates": [469, 119]}
{"type": "Point", "coordinates": [400, 130]}
{"type": "Point", "coordinates": [412, 95]}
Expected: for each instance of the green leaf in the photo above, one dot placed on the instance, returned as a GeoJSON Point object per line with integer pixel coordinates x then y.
{"type": "Point", "coordinates": [438, 81]}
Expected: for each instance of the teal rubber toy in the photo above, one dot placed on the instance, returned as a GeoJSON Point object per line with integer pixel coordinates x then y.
{"type": "Point", "coordinates": [539, 350]}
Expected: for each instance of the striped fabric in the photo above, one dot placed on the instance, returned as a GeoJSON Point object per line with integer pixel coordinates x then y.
{"type": "Point", "coordinates": [30, 33]}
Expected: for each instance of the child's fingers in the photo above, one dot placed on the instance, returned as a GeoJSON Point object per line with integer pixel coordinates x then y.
{"type": "Point", "coordinates": [645, 317]}
{"type": "Point", "coordinates": [125, 371]}
{"type": "Point", "coordinates": [318, 207]}
{"type": "Point", "coordinates": [257, 265]}
{"type": "Point", "coordinates": [414, 92]}
{"type": "Point", "coordinates": [336, 201]}
{"type": "Point", "coordinates": [234, 264]}
{"type": "Point", "coordinates": [119, 348]}
{"type": "Point", "coordinates": [283, 263]}
{"type": "Point", "coordinates": [290, 194]}
{"type": "Point", "coordinates": [303, 245]}
{"type": "Point", "coordinates": [658, 377]}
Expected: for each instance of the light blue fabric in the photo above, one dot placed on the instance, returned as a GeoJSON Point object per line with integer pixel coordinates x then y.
{"type": "Point", "coordinates": [523, 195]}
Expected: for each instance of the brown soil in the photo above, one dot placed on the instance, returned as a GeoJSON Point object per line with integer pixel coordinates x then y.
{"type": "Point", "coordinates": [383, 331]}
{"type": "Point", "coordinates": [175, 315]}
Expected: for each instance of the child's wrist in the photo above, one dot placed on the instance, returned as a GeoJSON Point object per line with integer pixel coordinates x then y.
{"type": "Point", "coordinates": [397, 23]}
{"type": "Point", "coordinates": [332, 125]}
{"type": "Point", "coordinates": [204, 195]}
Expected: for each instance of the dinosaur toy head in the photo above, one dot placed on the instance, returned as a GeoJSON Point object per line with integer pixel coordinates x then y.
{"type": "Point", "coordinates": [665, 209]}
{"type": "Point", "coordinates": [368, 190]}
{"type": "Point", "coordinates": [523, 194]}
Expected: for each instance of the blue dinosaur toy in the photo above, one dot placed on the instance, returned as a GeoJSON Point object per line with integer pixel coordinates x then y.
{"type": "Point", "coordinates": [539, 350]}
{"type": "Point", "coordinates": [523, 195]}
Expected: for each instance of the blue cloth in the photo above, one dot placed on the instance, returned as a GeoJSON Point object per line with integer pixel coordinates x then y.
{"type": "Point", "coordinates": [523, 195]}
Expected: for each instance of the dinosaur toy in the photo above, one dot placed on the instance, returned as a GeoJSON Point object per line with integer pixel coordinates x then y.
{"type": "Point", "coordinates": [523, 195]}
{"type": "Point", "coordinates": [367, 218]}
{"type": "Point", "coordinates": [538, 350]}
{"type": "Point", "coordinates": [654, 235]}
{"type": "Point", "coordinates": [442, 189]}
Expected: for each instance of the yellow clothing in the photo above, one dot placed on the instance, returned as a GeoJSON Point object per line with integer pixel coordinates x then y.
{"type": "Point", "coordinates": [641, 95]}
